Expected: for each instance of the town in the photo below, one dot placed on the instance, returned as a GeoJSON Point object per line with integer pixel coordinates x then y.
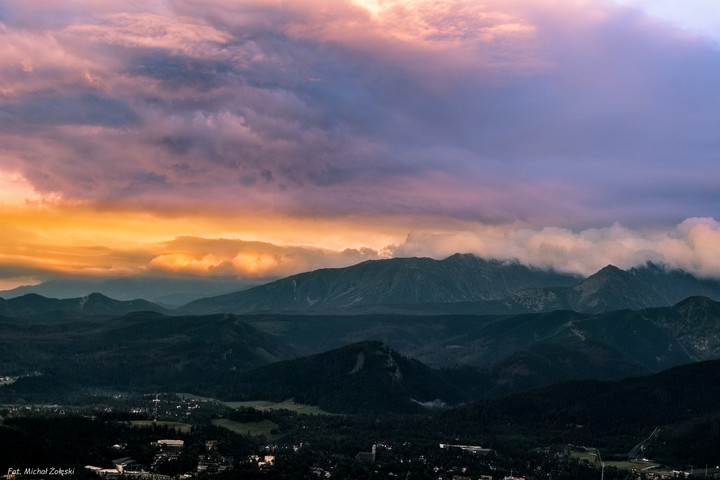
{"type": "Point", "coordinates": [168, 436]}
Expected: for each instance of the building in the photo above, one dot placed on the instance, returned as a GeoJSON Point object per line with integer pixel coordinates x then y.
{"type": "Point", "coordinates": [170, 444]}
{"type": "Point", "coordinates": [467, 448]}
{"type": "Point", "coordinates": [122, 464]}
{"type": "Point", "coordinates": [367, 457]}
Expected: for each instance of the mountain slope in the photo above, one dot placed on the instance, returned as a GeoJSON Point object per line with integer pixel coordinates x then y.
{"type": "Point", "coordinates": [612, 289]}
{"type": "Point", "coordinates": [460, 284]}
{"type": "Point", "coordinates": [639, 287]}
{"type": "Point", "coordinates": [681, 401]}
{"type": "Point", "coordinates": [140, 351]}
{"type": "Point", "coordinates": [397, 281]}
{"type": "Point", "coordinates": [694, 323]}
{"type": "Point", "coordinates": [528, 349]}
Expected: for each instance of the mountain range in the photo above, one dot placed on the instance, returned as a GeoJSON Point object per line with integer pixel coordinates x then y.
{"type": "Point", "coordinates": [53, 309]}
{"type": "Point", "coordinates": [460, 284]}
{"type": "Point", "coordinates": [624, 360]}
{"type": "Point", "coordinates": [170, 292]}
{"type": "Point", "coordinates": [501, 353]}
{"type": "Point", "coordinates": [510, 327]}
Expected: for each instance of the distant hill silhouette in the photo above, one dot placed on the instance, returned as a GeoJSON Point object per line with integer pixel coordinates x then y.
{"type": "Point", "coordinates": [94, 304]}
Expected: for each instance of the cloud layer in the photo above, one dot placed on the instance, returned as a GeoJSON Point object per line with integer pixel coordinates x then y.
{"type": "Point", "coordinates": [691, 245]}
{"type": "Point", "coordinates": [563, 112]}
{"type": "Point", "coordinates": [524, 122]}
{"type": "Point", "coordinates": [30, 256]}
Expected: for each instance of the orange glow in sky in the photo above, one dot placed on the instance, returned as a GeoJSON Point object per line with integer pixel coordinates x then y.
{"type": "Point", "coordinates": [259, 139]}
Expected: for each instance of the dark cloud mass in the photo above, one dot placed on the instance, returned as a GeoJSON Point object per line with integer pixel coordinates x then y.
{"type": "Point", "coordinates": [86, 109]}
{"type": "Point", "coordinates": [564, 113]}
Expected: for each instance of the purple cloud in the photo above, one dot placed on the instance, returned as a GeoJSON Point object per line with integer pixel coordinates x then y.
{"type": "Point", "coordinates": [544, 113]}
{"type": "Point", "coordinates": [86, 109]}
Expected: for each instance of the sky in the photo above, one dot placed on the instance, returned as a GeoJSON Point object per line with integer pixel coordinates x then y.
{"type": "Point", "coordinates": [255, 139]}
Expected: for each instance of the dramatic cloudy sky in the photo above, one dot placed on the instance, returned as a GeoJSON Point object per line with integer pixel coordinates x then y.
{"type": "Point", "coordinates": [259, 138]}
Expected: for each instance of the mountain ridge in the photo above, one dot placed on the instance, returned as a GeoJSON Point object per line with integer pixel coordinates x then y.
{"type": "Point", "coordinates": [33, 304]}
{"type": "Point", "coordinates": [460, 283]}
{"type": "Point", "coordinates": [169, 292]}
{"type": "Point", "coordinates": [455, 279]}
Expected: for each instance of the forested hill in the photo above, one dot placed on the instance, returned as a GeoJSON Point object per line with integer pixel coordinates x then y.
{"type": "Point", "coordinates": [676, 410]}
{"type": "Point", "coordinates": [362, 377]}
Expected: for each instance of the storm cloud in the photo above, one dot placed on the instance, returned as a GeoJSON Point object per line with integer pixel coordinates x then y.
{"type": "Point", "coordinates": [524, 116]}
{"type": "Point", "coordinates": [575, 108]}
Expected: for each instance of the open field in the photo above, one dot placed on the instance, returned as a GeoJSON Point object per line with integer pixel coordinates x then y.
{"type": "Point", "coordinates": [284, 405]}
{"type": "Point", "coordinates": [179, 426]}
{"type": "Point", "coordinates": [636, 465]}
{"type": "Point", "coordinates": [288, 404]}
{"type": "Point", "coordinates": [263, 428]}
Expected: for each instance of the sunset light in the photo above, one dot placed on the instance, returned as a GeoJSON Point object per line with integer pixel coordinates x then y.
{"type": "Point", "coordinates": [360, 239]}
{"type": "Point", "coordinates": [333, 133]}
